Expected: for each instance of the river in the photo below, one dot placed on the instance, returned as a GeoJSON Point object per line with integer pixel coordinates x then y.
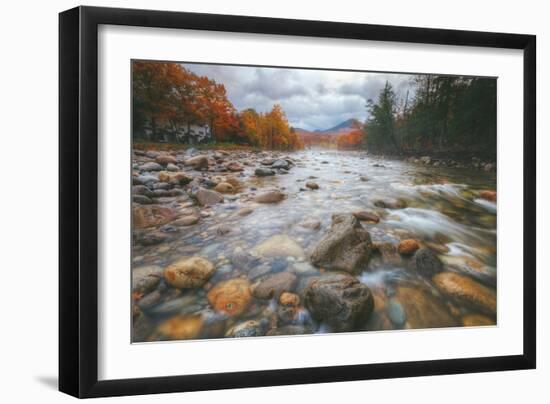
{"type": "Point", "coordinates": [439, 207]}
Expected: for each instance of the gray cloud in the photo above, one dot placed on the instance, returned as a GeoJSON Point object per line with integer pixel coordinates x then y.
{"type": "Point", "coordinates": [312, 99]}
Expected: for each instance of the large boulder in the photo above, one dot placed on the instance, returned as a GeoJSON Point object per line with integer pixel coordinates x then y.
{"type": "Point", "coordinates": [345, 247]}
{"type": "Point", "coordinates": [151, 215]}
{"type": "Point", "coordinates": [467, 291]}
{"type": "Point", "coordinates": [340, 301]}
{"type": "Point", "coordinates": [230, 297]}
{"type": "Point", "coordinates": [189, 272]}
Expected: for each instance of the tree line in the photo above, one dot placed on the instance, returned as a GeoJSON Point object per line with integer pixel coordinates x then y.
{"type": "Point", "coordinates": [445, 114]}
{"type": "Point", "coordinates": [169, 99]}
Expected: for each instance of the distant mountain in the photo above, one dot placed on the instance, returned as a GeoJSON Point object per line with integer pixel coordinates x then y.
{"type": "Point", "coordinates": [330, 135]}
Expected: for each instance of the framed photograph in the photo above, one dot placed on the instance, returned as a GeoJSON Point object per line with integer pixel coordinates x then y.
{"type": "Point", "coordinates": [251, 201]}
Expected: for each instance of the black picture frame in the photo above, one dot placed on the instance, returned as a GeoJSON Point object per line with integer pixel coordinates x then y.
{"type": "Point", "coordinates": [78, 200]}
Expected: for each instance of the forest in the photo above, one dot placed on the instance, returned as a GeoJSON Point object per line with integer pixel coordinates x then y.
{"type": "Point", "coordinates": [168, 100]}
{"type": "Point", "coordinates": [446, 114]}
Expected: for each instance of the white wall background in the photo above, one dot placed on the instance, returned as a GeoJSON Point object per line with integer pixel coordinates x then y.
{"type": "Point", "coordinates": [28, 166]}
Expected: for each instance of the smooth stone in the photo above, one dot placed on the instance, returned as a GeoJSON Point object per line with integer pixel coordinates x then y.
{"type": "Point", "coordinates": [408, 246]}
{"type": "Point", "coordinates": [279, 245]}
{"type": "Point", "coordinates": [197, 162]}
{"type": "Point", "coordinates": [270, 197]}
{"type": "Point", "coordinates": [174, 178]}
{"type": "Point", "coordinates": [150, 166]}
{"type": "Point", "coordinates": [231, 297]}
{"type": "Point", "coordinates": [250, 328]}
{"type": "Point", "coordinates": [426, 262]}
{"type": "Point", "coordinates": [263, 172]}
{"type": "Point", "coordinates": [365, 216]}
{"type": "Point", "coordinates": [141, 190]}
{"type": "Point", "coordinates": [165, 159]}
{"type": "Point", "coordinates": [187, 220]}
{"type": "Point", "coordinates": [142, 199]}
{"type": "Point", "coordinates": [151, 215]}
{"type": "Point", "coordinates": [395, 312]}
{"type": "Point", "coordinates": [312, 185]}
{"type": "Point", "coordinates": [224, 188]}
{"type": "Point", "coordinates": [192, 272]}
{"type": "Point", "coordinates": [206, 197]}
{"type": "Point", "coordinates": [467, 291]}
{"type": "Point", "coordinates": [274, 285]}
{"type": "Point", "coordinates": [422, 309]}
{"type": "Point", "coordinates": [146, 278]}
{"type": "Point", "coordinates": [180, 327]}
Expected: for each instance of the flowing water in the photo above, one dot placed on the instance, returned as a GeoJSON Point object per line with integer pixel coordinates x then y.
{"type": "Point", "coordinates": [443, 210]}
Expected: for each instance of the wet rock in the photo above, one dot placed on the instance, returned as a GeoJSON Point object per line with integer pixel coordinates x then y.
{"type": "Point", "coordinates": [258, 271]}
{"type": "Point", "coordinates": [345, 247]}
{"type": "Point", "coordinates": [187, 220]}
{"type": "Point", "coordinates": [151, 238]}
{"type": "Point", "coordinates": [365, 216]}
{"type": "Point", "coordinates": [180, 327]}
{"type": "Point", "coordinates": [172, 167]}
{"type": "Point", "coordinates": [250, 328]}
{"type": "Point", "coordinates": [279, 264]}
{"type": "Point", "coordinates": [390, 203]}
{"type": "Point", "coordinates": [489, 195]}
{"type": "Point", "coordinates": [151, 215]}
{"type": "Point", "coordinates": [245, 211]}
{"type": "Point", "coordinates": [152, 154]}
{"type": "Point", "coordinates": [340, 301]}
{"type": "Point", "coordinates": [426, 262]}
{"type": "Point", "coordinates": [150, 166]}
{"type": "Point", "coordinates": [150, 300]}
{"type": "Point", "coordinates": [166, 159]}
{"type": "Point", "coordinates": [287, 314]}
{"type": "Point", "coordinates": [476, 320]}
{"type": "Point", "coordinates": [270, 197]}
{"type": "Point", "coordinates": [274, 285]}
{"type": "Point", "coordinates": [234, 166]}
{"type": "Point", "coordinates": [279, 245]}
{"type": "Point", "coordinates": [422, 309]}
{"type": "Point", "coordinates": [312, 185]}
{"type": "Point", "coordinates": [467, 291]}
{"type": "Point", "coordinates": [263, 172]}
{"type": "Point", "coordinates": [190, 272]}
{"type": "Point", "coordinates": [364, 178]}
{"type": "Point", "coordinates": [141, 190]}
{"type": "Point", "coordinates": [388, 252]}
{"type": "Point", "coordinates": [197, 162]}
{"type": "Point", "coordinates": [289, 330]}
{"type": "Point", "coordinates": [142, 325]}
{"type": "Point", "coordinates": [231, 297]}
{"type": "Point", "coordinates": [396, 313]}
{"type": "Point", "coordinates": [144, 180]}
{"type": "Point", "coordinates": [277, 164]}
{"type": "Point", "coordinates": [142, 199]}
{"type": "Point", "coordinates": [267, 162]}
{"type": "Point", "coordinates": [146, 278]}
{"type": "Point", "coordinates": [438, 248]}
{"type": "Point", "coordinates": [408, 246]}
{"type": "Point", "coordinates": [174, 178]}
{"type": "Point", "coordinates": [206, 197]}
{"type": "Point", "coordinates": [223, 229]}
{"type": "Point", "coordinates": [224, 188]}
{"type": "Point", "coordinates": [311, 224]}
{"type": "Point", "coordinates": [289, 299]}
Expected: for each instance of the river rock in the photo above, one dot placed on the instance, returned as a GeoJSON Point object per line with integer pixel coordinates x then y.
{"type": "Point", "coordinates": [180, 327]}
{"type": "Point", "coordinates": [311, 224]}
{"type": "Point", "coordinates": [234, 166]}
{"type": "Point", "coordinates": [345, 247]}
{"type": "Point", "coordinates": [141, 199]}
{"type": "Point", "coordinates": [467, 291]}
{"type": "Point", "coordinates": [142, 190]}
{"type": "Point", "coordinates": [197, 162]}
{"type": "Point", "coordinates": [172, 167]}
{"type": "Point", "coordinates": [396, 313]}
{"type": "Point", "coordinates": [150, 166]}
{"type": "Point", "coordinates": [174, 178]}
{"type": "Point", "coordinates": [166, 159]}
{"type": "Point", "coordinates": [263, 172]}
{"type": "Point", "coordinates": [476, 320]}
{"type": "Point", "coordinates": [340, 301]}
{"type": "Point", "coordinates": [151, 215]}
{"type": "Point", "coordinates": [270, 197]}
{"type": "Point", "coordinates": [230, 297]}
{"type": "Point", "coordinates": [408, 246]}
{"type": "Point", "coordinates": [250, 328]}
{"type": "Point", "coordinates": [289, 299]}
{"type": "Point", "coordinates": [189, 272]}
{"type": "Point", "coordinates": [289, 330]}
{"type": "Point", "coordinates": [206, 197]}
{"type": "Point", "coordinates": [224, 188]}
{"type": "Point", "coordinates": [365, 216]}
{"type": "Point", "coordinates": [277, 164]}
{"type": "Point", "coordinates": [422, 309]}
{"type": "Point", "coordinates": [312, 185]}
{"type": "Point", "coordinates": [279, 245]}
{"type": "Point", "coordinates": [146, 278]}
{"type": "Point", "coordinates": [245, 211]}
{"type": "Point", "coordinates": [390, 203]}
{"type": "Point", "coordinates": [426, 262]}
{"type": "Point", "coordinates": [274, 285]}
{"type": "Point", "coordinates": [187, 220]}
{"type": "Point", "coordinates": [489, 195]}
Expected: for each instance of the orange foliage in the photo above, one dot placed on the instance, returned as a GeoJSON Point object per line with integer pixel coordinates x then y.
{"type": "Point", "coordinates": [350, 140]}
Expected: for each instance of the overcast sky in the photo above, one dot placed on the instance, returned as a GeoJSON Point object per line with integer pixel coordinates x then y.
{"type": "Point", "coordinates": [311, 99]}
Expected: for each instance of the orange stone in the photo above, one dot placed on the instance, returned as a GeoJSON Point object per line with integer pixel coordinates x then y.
{"type": "Point", "coordinates": [489, 195]}
{"type": "Point", "coordinates": [231, 297]}
{"type": "Point", "coordinates": [408, 246]}
{"type": "Point", "coordinates": [289, 299]}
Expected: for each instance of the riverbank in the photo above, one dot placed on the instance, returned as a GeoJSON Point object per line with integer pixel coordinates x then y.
{"type": "Point", "coordinates": [235, 243]}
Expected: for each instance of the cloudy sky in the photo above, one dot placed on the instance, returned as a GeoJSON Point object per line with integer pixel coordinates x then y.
{"type": "Point", "coordinates": [311, 99]}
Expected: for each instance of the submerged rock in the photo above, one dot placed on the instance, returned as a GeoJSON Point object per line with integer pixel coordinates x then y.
{"type": "Point", "coordinates": [467, 291]}
{"type": "Point", "coordinates": [197, 162]}
{"type": "Point", "coordinates": [422, 309]}
{"type": "Point", "coordinates": [345, 247]}
{"type": "Point", "coordinates": [224, 188]}
{"type": "Point", "coordinates": [146, 278]}
{"type": "Point", "coordinates": [206, 197]}
{"type": "Point", "coordinates": [264, 172]}
{"type": "Point", "coordinates": [250, 328]}
{"type": "Point", "coordinates": [279, 245]}
{"type": "Point", "coordinates": [270, 197]}
{"type": "Point", "coordinates": [426, 262]}
{"type": "Point", "coordinates": [180, 327]}
{"type": "Point", "coordinates": [230, 297]}
{"type": "Point", "coordinates": [408, 246]}
{"type": "Point", "coordinates": [365, 216]}
{"type": "Point", "coordinates": [476, 320]}
{"type": "Point", "coordinates": [289, 330]}
{"type": "Point", "coordinates": [274, 285]}
{"type": "Point", "coordinates": [312, 185]}
{"type": "Point", "coordinates": [190, 272]}
{"type": "Point", "coordinates": [340, 301]}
